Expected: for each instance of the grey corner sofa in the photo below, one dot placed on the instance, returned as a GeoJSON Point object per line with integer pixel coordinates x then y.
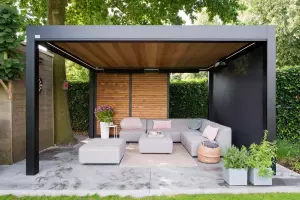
{"type": "Point", "coordinates": [180, 132]}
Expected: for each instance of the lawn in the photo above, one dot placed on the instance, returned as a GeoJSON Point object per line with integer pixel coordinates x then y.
{"type": "Point", "coordinates": [270, 196]}
{"type": "Point", "coordinates": [288, 154]}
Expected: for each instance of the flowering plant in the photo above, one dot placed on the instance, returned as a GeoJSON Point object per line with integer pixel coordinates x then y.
{"type": "Point", "coordinates": [104, 113]}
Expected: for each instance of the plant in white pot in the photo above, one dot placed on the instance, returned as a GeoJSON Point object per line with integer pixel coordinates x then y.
{"type": "Point", "coordinates": [260, 161]}
{"type": "Point", "coordinates": [235, 166]}
{"type": "Point", "coordinates": [104, 115]}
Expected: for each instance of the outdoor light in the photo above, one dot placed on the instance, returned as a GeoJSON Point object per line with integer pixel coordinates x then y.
{"type": "Point", "coordinates": [151, 70]}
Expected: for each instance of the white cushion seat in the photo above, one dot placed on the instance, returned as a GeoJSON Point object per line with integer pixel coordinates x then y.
{"type": "Point", "coordinates": [102, 151]}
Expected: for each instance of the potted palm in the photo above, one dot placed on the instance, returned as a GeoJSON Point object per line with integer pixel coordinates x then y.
{"type": "Point", "coordinates": [235, 166]}
{"type": "Point", "coordinates": [260, 162]}
{"type": "Point", "coordinates": [104, 115]}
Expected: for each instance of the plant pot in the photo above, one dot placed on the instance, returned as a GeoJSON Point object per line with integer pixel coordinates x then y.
{"type": "Point", "coordinates": [255, 179]}
{"type": "Point", "coordinates": [104, 130]}
{"type": "Point", "coordinates": [235, 176]}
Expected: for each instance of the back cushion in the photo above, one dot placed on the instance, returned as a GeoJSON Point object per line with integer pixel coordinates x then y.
{"type": "Point", "coordinates": [158, 124]}
{"type": "Point", "coordinates": [180, 124]}
{"type": "Point", "coordinates": [129, 123]}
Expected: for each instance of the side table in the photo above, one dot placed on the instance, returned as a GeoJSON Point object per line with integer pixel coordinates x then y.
{"type": "Point", "coordinates": [115, 127]}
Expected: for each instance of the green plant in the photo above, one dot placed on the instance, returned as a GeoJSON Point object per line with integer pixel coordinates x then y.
{"type": "Point", "coordinates": [236, 158]}
{"type": "Point", "coordinates": [104, 113]}
{"type": "Point", "coordinates": [10, 64]}
{"type": "Point", "coordinates": [188, 99]}
{"type": "Point", "coordinates": [288, 103]}
{"type": "Point", "coordinates": [78, 95]}
{"type": "Point", "coordinates": [288, 154]}
{"type": "Point", "coordinates": [262, 156]}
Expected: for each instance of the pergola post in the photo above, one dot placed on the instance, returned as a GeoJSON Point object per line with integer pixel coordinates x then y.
{"type": "Point", "coordinates": [92, 103]}
{"type": "Point", "coordinates": [210, 94]}
{"type": "Point", "coordinates": [32, 105]}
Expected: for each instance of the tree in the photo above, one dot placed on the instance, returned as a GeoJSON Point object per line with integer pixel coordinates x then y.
{"type": "Point", "coordinates": [285, 15]}
{"type": "Point", "coordinates": [112, 12]}
{"type": "Point", "coordinates": [76, 72]}
{"type": "Point", "coordinates": [11, 67]}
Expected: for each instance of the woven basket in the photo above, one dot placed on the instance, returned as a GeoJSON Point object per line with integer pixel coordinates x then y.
{"type": "Point", "coordinates": [208, 155]}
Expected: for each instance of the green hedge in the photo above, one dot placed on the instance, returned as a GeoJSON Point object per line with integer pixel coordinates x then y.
{"type": "Point", "coordinates": [78, 95]}
{"type": "Point", "coordinates": [188, 99]}
{"type": "Point", "coordinates": [288, 103]}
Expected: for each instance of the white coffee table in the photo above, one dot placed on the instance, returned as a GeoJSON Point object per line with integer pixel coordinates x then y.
{"type": "Point", "coordinates": [156, 144]}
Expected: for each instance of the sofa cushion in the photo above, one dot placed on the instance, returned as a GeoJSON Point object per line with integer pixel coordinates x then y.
{"type": "Point", "coordinates": [131, 135]}
{"type": "Point", "coordinates": [129, 123]}
{"type": "Point", "coordinates": [158, 124]}
{"type": "Point", "coordinates": [210, 132]}
{"type": "Point", "coordinates": [179, 124]}
{"type": "Point", "coordinates": [194, 124]}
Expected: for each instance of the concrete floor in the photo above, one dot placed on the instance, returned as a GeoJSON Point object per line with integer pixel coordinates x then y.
{"type": "Point", "coordinates": [60, 173]}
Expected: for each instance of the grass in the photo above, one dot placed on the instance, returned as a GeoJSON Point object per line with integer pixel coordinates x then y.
{"type": "Point", "coordinates": [270, 196]}
{"type": "Point", "coordinates": [288, 154]}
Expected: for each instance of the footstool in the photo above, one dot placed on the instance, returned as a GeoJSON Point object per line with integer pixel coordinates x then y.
{"type": "Point", "coordinates": [209, 152]}
{"type": "Point", "coordinates": [102, 151]}
{"type": "Point", "coordinates": [156, 144]}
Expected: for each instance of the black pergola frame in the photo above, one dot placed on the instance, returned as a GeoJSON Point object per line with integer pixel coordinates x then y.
{"type": "Point", "coordinates": [43, 34]}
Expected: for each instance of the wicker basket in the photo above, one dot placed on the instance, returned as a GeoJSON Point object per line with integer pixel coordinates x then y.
{"type": "Point", "coordinates": [208, 155]}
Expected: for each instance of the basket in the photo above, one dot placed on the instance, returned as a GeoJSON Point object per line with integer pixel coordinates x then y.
{"type": "Point", "coordinates": [208, 155]}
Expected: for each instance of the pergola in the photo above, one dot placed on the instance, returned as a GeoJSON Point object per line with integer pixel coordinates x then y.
{"type": "Point", "coordinates": [241, 62]}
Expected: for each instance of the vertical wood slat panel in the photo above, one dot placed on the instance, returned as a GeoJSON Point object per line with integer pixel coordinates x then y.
{"type": "Point", "coordinates": [149, 95]}
{"type": "Point", "coordinates": [113, 89]}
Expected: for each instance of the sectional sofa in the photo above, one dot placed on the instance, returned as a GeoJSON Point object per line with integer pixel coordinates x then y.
{"type": "Point", "coordinates": [180, 132]}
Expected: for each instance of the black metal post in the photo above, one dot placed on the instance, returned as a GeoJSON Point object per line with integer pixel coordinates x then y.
{"type": "Point", "coordinates": [92, 103]}
{"type": "Point", "coordinates": [32, 106]}
{"type": "Point", "coordinates": [210, 94]}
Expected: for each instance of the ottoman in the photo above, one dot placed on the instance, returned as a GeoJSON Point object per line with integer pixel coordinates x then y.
{"type": "Point", "coordinates": [209, 152]}
{"type": "Point", "coordinates": [102, 151]}
{"type": "Point", "coordinates": [156, 144]}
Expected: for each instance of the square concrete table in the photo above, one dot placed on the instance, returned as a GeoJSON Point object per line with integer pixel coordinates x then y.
{"type": "Point", "coordinates": [156, 144]}
{"type": "Point", "coordinates": [102, 151]}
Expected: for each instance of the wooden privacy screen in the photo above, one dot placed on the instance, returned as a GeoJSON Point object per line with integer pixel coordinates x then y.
{"type": "Point", "coordinates": [149, 95]}
{"type": "Point", "coordinates": [113, 89]}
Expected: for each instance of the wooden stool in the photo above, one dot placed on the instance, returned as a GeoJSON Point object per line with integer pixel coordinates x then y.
{"type": "Point", "coordinates": [209, 152]}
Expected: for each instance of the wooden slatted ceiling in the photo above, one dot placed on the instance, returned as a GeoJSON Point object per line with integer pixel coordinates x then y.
{"type": "Point", "coordinates": [113, 89]}
{"type": "Point", "coordinates": [149, 95]}
{"type": "Point", "coordinates": [126, 55]}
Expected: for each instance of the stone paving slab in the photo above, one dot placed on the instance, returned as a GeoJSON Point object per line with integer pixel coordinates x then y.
{"type": "Point", "coordinates": [61, 174]}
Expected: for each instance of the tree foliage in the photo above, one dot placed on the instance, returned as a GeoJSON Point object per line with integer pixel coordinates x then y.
{"type": "Point", "coordinates": [76, 73]}
{"type": "Point", "coordinates": [285, 15]}
{"type": "Point", "coordinates": [10, 23]}
{"type": "Point", "coordinates": [131, 11]}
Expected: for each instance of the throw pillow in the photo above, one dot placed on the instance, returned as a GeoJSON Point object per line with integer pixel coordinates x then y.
{"type": "Point", "coordinates": [210, 132]}
{"type": "Point", "coordinates": [129, 123]}
{"type": "Point", "coordinates": [161, 124]}
{"type": "Point", "coordinates": [194, 124]}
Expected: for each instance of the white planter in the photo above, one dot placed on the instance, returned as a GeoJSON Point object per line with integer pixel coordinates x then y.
{"type": "Point", "coordinates": [255, 179]}
{"type": "Point", "coordinates": [104, 130]}
{"type": "Point", "coordinates": [235, 176]}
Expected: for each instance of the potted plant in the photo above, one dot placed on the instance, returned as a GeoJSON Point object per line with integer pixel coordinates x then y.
{"type": "Point", "coordinates": [235, 166]}
{"type": "Point", "coordinates": [104, 115]}
{"type": "Point", "coordinates": [260, 162]}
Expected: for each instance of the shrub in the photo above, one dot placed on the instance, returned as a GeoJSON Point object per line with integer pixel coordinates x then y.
{"type": "Point", "coordinates": [188, 99]}
{"type": "Point", "coordinates": [288, 103]}
{"type": "Point", "coordinates": [262, 156]}
{"type": "Point", "coordinates": [236, 158]}
{"type": "Point", "coordinates": [78, 95]}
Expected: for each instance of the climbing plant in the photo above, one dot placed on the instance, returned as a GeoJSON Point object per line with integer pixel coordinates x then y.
{"type": "Point", "coordinates": [10, 60]}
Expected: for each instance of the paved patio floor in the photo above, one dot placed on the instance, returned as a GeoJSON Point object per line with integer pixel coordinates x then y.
{"type": "Point", "coordinates": [60, 173]}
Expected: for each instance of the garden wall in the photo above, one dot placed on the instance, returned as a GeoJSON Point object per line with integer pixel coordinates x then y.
{"type": "Point", "coordinates": [13, 115]}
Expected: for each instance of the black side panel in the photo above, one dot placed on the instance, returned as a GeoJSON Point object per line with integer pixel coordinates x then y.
{"type": "Point", "coordinates": [239, 93]}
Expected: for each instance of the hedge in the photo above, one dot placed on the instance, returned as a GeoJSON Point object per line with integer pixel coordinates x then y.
{"type": "Point", "coordinates": [188, 100]}
{"type": "Point", "coordinates": [78, 95]}
{"type": "Point", "coordinates": [288, 103]}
